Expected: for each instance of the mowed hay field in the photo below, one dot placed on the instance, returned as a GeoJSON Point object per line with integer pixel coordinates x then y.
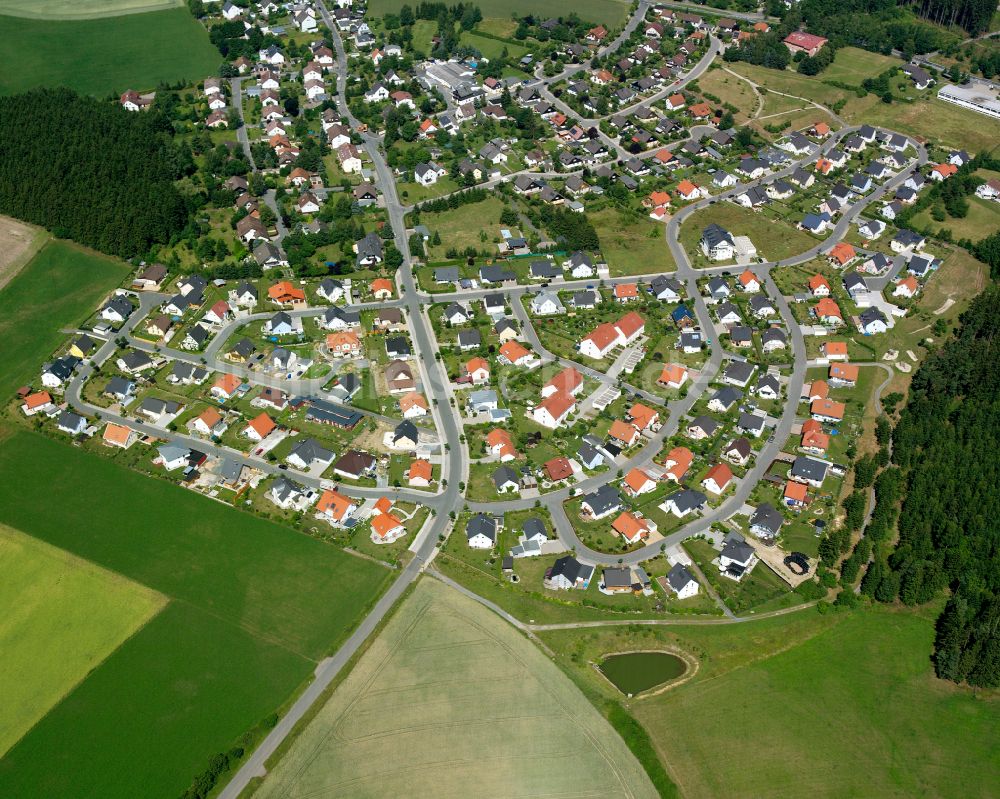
{"type": "Point", "coordinates": [824, 706]}
{"type": "Point", "coordinates": [608, 12]}
{"type": "Point", "coordinates": [450, 701]}
{"type": "Point", "coordinates": [47, 596]}
{"type": "Point", "coordinates": [253, 607]}
{"type": "Point", "coordinates": [105, 56]}
{"type": "Point", "coordinates": [81, 9]}
{"type": "Point", "coordinates": [19, 242]}
{"type": "Point", "coordinates": [61, 286]}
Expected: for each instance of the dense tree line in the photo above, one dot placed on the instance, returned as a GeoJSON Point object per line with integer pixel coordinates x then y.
{"type": "Point", "coordinates": [90, 171]}
{"type": "Point", "coordinates": [947, 447]}
{"type": "Point", "coordinates": [972, 15]}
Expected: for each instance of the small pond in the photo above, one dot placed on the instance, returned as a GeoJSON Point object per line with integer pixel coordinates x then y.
{"type": "Point", "coordinates": [634, 672]}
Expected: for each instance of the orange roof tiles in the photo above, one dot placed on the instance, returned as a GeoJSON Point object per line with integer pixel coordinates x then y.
{"type": "Point", "coordinates": [513, 351]}
{"type": "Point", "coordinates": [642, 415]}
{"type": "Point", "coordinates": [623, 431]}
{"type": "Point", "coordinates": [117, 434]}
{"type": "Point", "coordinates": [828, 408]}
{"type": "Point", "coordinates": [630, 324]}
{"type": "Point", "coordinates": [262, 425]}
{"type": "Point", "coordinates": [847, 372]}
{"type": "Point", "coordinates": [381, 284]}
{"type": "Point", "coordinates": [842, 252]}
{"type": "Point", "coordinates": [384, 524]}
{"type": "Point", "coordinates": [333, 504]}
{"type": "Point", "coordinates": [673, 373]}
{"type": "Point", "coordinates": [629, 526]}
{"type": "Point", "coordinates": [37, 400]}
{"type": "Point", "coordinates": [283, 291]}
{"type": "Point", "coordinates": [796, 492]}
{"type": "Point", "coordinates": [227, 384]}
{"type": "Point", "coordinates": [636, 479]}
{"type": "Point", "coordinates": [420, 469]}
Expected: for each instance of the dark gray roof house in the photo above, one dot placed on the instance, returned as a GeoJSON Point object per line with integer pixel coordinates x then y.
{"type": "Point", "coordinates": [766, 521]}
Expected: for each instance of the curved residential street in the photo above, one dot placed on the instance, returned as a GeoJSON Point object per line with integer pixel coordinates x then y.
{"type": "Point", "coordinates": [447, 422]}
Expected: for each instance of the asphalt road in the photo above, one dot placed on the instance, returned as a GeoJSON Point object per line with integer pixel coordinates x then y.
{"type": "Point", "coordinates": [447, 421]}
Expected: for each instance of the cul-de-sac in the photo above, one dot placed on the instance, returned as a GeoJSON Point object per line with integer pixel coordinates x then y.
{"type": "Point", "coordinates": [521, 399]}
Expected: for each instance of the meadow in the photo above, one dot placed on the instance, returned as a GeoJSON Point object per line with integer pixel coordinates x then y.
{"type": "Point", "coordinates": [450, 696]}
{"type": "Point", "coordinates": [774, 238]}
{"type": "Point", "coordinates": [834, 705]}
{"type": "Point", "coordinates": [252, 607]}
{"type": "Point", "coordinates": [608, 12]}
{"type": "Point", "coordinates": [59, 287]}
{"type": "Point", "coordinates": [81, 9]}
{"type": "Point", "coordinates": [105, 56]}
{"type": "Point", "coordinates": [631, 245]}
{"type": "Point", "coordinates": [49, 595]}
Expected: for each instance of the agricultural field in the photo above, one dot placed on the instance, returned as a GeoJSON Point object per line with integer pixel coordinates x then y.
{"type": "Point", "coordinates": [240, 633]}
{"type": "Point", "coordinates": [608, 12]}
{"type": "Point", "coordinates": [19, 242]}
{"type": "Point", "coordinates": [37, 304]}
{"type": "Point", "coordinates": [48, 595]}
{"type": "Point", "coordinates": [81, 9]}
{"type": "Point", "coordinates": [807, 704]}
{"type": "Point", "coordinates": [450, 696]}
{"type": "Point", "coordinates": [105, 56]}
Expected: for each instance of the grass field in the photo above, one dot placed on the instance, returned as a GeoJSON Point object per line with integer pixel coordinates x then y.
{"type": "Point", "coordinates": [449, 696]}
{"type": "Point", "coordinates": [81, 9]}
{"type": "Point", "coordinates": [853, 65]}
{"type": "Point", "coordinates": [836, 705]}
{"type": "Point", "coordinates": [253, 607]}
{"type": "Point", "coordinates": [19, 242]}
{"type": "Point", "coordinates": [59, 287]}
{"type": "Point", "coordinates": [609, 12]}
{"type": "Point", "coordinates": [48, 595]}
{"type": "Point", "coordinates": [982, 220]}
{"type": "Point", "coordinates": [105, 56]}
{"type": "Point", "coordinates": [631, 247]}
{"type": "Point", "coordinates": [774, 239]}
{"type": "Point", "coordinates": [460, 227]}
{"type": "Point", "coordinates": [491, 48]}
{"type": "Point", "coordinates": [732, 90]}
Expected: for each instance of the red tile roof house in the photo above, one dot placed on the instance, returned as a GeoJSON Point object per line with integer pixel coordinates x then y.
{"type": "Point", "coordinates": [800, 41]}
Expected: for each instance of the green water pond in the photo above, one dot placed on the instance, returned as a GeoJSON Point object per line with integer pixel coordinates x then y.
{"type": "Point", "coordinates": [634, 672]}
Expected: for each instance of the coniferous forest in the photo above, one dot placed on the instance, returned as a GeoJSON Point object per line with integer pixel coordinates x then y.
{"type": "Point", "coordinates": [947, 443]}
{"type": "Point", "coordinates": [90, 171]}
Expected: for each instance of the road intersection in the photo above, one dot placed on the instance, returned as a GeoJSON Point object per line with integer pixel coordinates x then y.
{"type": "Point", "coordinates": [450, 499]}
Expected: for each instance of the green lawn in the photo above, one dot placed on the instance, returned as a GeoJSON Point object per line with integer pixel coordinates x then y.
{"type": "Point", "coordinates": [835, 705]}
{"type": "Point", "coordinates": [253, 607]}
{"type": "Point", "coordinates": [106, 56]}
{"type": "Point", "coordinates": [59, 287]}
{"type": "Point", "coordinates": [490, 47]}
{"type": "Point", "coordinates": [49, 595]}
{"type": "Point", "coordinates": [609, 12]}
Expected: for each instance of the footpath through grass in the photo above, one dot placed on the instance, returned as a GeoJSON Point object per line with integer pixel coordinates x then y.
{"type": "Point", "coordinates": [254, 605]}
{"type": "Point", "coordinates": [59, 287]}
{"type": "Point", "coordinates": [48, 595]}
{"type": "Point", "coordinates": [105, 56]}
